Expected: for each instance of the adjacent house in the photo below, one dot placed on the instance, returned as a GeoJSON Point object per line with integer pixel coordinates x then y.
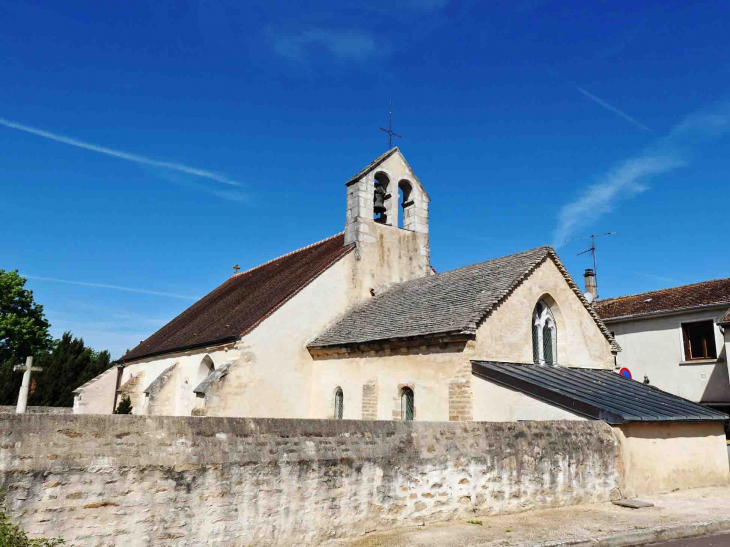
{"type": "Point", "coordinates": [675, 339]}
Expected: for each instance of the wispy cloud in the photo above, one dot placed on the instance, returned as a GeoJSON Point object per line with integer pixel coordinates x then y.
{"type": "Point", "coordinates": [629, 177]}
{"type": "Point", "coordinates": [344, 45]}
{"type": "Point", "coordinates": [113, 287]}
{"type": "Point", "coordinates": [136, 158]}
{"type": "Point", "coordinates": [660, 278]}
{"type": "Point", "coordinates": [613, 109]}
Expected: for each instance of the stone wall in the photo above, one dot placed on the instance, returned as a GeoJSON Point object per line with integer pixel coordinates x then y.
{"type": "Point", "coordinates": [7, 409]}
{"type": "Point", "coordinates": [136, 480]}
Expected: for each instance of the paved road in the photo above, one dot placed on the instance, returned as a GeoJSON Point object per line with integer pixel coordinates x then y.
{"type": "Point", "coordinates": [721, 540]}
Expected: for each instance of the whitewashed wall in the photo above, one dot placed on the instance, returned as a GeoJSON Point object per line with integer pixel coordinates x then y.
{"type": "Point", "coordinates": [654, 347]}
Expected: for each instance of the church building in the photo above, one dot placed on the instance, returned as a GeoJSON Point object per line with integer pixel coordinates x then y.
{"type": "Point", "coordinates": [359, 326]}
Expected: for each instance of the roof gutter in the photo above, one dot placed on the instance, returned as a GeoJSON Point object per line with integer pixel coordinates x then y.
{"type": "Point", "coordinates": [652, 314]}
{"type": "Point", "coordinates": [179, 349]}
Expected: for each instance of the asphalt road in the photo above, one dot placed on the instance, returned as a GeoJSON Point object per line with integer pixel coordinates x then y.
{"type": "Point", "coordinates": [718, 540]}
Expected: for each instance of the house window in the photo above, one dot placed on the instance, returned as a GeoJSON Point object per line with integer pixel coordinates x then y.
{"type": "Point", "coordinates": [407, 404]}
{"type": "Point", "coordinates": [339, 403]}
{"type": "Point", "coordinates": [544, 335]}
{"type": "Point", "coordinates": [699, 340]}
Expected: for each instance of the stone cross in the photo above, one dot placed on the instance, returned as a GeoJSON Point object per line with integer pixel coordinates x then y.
{"type": "Point", "coordinates": [236, 268]}
{"type": "Point", "coordinates": [25, 387]}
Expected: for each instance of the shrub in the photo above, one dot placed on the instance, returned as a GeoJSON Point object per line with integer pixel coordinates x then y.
{"type": "Point", "coordinates": [125, 407]}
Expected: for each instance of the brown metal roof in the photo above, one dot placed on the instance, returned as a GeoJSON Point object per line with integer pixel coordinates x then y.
{"type": "Point", "coordinates": [697, 295]}
{"type": "Point", "coordinates": [243, 301]}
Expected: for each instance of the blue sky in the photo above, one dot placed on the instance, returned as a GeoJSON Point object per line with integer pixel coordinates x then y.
{"type": "Point", "coordinates": [146, 147]}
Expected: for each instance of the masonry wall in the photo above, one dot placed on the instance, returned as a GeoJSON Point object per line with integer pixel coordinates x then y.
{"type": "Point", "coordinates": [662, 457]}
{"type": "Point", "coordinates": [135, 480]}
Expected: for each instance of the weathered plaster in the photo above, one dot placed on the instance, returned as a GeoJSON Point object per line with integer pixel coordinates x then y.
{"type": "Point", "coordinates": [661, 457]}
{"type": "Point", "coordinates": [501, 404]}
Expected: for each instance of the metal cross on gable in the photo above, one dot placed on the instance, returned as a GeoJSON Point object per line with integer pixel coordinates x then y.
{"type": "Point", "coordinates": [389, 131]}
{"type": "Point", "coordinates": [25, 387]}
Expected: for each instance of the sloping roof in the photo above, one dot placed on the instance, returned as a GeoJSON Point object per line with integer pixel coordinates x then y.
{"type": "Point", "coordinates": [243, 301]}
{"type": "Point", "coordinates": [706, 293]}
{"type": "Point", "coordinates": [373, 164]}
{"type": "Point", "coordinates": [453, 302]}
{"type": "Point", "coordinates": [598, 394]}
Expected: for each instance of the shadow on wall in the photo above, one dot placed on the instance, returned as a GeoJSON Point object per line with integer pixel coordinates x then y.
{"type": "Point", "coordinates": [717, 389]}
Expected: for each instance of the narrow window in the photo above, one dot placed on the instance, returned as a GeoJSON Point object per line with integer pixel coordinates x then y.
{"type": "Point", "coordinates": [699, 340]}
{"type": "Point", "coordinates": [407, 404]}
{"type": "Point", "coordinates": [339, 403]}
{"type": "Point", "coordinates": [544, 335]}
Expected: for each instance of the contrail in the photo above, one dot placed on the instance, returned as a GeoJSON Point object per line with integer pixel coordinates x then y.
{"type": "Point", "coordinates": [613, 109]}
{"type": "Point", "coordinates": [115, 287]}
{"type": "Point", "coordinates": [627, 178]}
{"type": "Point", "coordinates": [120, 154]}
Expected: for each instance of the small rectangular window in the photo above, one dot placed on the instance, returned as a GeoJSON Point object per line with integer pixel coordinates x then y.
{"type": "Point", "coordinates": [699, 340]}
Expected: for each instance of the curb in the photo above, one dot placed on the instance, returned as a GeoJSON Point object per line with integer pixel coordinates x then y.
{"type": "Point", "coordinates": [645, 537]}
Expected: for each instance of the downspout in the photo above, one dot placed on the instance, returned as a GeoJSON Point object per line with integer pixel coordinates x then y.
{"type": "Point", "coordinates": [120, 371]}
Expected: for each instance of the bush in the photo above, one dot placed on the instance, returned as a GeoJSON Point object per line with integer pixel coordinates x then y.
{"type": "Point", "coordinates": [125, 407]}
{"type": "Point", "coordinates": [12, 536]}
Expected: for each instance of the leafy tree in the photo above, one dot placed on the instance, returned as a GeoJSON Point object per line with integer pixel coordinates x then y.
{"type": "Point", "coordinates": [125, 406]}
{"type": "Point", "coordinates": [23, 331]}
{"type": "Point", "coordinates": [69, 364]}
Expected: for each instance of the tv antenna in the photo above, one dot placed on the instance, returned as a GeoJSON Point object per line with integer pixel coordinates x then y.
{"type": "Point", "coordinates": [592, 250]}
{"type": "Point", "coordinates": [390, 131]}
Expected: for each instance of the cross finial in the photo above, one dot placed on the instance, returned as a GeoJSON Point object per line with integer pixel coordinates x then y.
{"type": "Point", "coordinates": [389, 131]}
{"type": "Point", "coordinates": [236, 268]}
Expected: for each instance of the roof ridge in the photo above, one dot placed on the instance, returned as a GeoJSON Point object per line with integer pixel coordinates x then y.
{"type": "Point", "coordinates": [287, 254]}
{"type": "Point", "coordinates": [614, 298]}
{"type": "Point", "coordinates": [546, 247]}
{"type": "Point", "coordinates": [373, 164]}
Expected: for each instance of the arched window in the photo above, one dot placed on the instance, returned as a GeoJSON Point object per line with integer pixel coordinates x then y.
{"type": "Point", "coordinates": [206, 367]}
{"type": "Point", "coordinates": [404, 202]}
{"type": "Point", "coordinates": [380, 198]}
{"type": "Point", "coordinates": [407, 404]}
{"type": "Point", "coordinates": [339, 403]}
{"type": "Point", "coordinates": [544, 335]}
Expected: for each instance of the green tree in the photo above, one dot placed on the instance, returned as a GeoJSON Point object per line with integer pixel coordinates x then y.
{"type": "Point", "coordinates": [125, 406]}
{"type": "Point", "coordinates": [69, 364]}
{"type": "Point", "coordinates": [23, 331]}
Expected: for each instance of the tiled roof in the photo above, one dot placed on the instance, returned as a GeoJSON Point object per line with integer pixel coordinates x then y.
{"type": "Point", "coordinates": [707, 293]}
{"type": "Point", "coordinates": [453, 302]}
{"type": "Point", "coordinates": [598, 394]}
{"type": "Point", "coordinates": [243, 301]}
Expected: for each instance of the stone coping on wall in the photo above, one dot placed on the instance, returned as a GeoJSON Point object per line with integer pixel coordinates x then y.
{"type": "Point", "coordinates": [8, 409]}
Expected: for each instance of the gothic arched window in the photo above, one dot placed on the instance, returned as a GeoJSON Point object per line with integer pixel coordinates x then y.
{"type": "Point", "coordinates": [339, 403]}
{"type": "Point", "coordinates": [544, 335]}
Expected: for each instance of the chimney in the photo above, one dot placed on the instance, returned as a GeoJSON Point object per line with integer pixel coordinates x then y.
{"type": "Point", "coordinates": [590, 279]}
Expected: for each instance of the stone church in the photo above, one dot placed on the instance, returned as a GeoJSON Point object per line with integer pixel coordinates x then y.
{"type": "Point", "coordinates": [360, 326]}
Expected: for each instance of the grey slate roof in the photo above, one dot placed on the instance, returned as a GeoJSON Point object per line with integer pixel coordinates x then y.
{"type": "Point", "coordinates": [598, 394]}
{"type": "Point", "coordinates": [453, 302]}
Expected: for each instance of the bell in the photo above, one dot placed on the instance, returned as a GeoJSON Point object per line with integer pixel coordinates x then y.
{"type": "Point", "coordinates": [379, 206]}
